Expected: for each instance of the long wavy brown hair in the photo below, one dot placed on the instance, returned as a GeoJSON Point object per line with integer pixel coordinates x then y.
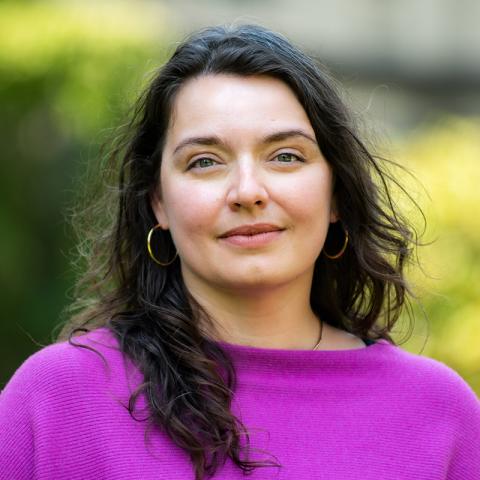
{"type": "Point", "coordinates": [148, 308]}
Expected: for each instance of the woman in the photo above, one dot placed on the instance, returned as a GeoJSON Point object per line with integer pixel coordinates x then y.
{"type": "Point", "coordinates": [230, 317]}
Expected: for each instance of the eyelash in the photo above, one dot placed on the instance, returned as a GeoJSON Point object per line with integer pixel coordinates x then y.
{"type": "Point", "coordinates": [299, 159]}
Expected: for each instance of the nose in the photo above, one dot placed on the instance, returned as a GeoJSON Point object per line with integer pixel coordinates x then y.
{"type": "Point", "coordinates": [247, 188]}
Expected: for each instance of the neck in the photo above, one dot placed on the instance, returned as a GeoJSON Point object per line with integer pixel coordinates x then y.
{"type": "Point", "coordinates": [275, 317]}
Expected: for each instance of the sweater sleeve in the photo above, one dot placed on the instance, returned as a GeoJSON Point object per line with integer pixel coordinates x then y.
{"type": "Point", "coordinates": [465, 460]}
{"type": "Point", "coordinates": [17, 425]}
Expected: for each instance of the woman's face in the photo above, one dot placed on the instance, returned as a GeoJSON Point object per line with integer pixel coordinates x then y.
{"type": "Point", "coordinates": [241, 151]}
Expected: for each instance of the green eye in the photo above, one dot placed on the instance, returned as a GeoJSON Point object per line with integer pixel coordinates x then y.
{"type": "Point", "coordinates": [202, 163]}
{"type": "Point", "coordinates": [287, 157]}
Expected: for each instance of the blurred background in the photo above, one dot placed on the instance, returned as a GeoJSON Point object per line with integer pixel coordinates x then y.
{"type": "Point", "coordinates": [69, 71]}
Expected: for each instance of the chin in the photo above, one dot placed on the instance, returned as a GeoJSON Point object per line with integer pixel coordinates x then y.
{"type": "Point", "coordinates": [255, 279]}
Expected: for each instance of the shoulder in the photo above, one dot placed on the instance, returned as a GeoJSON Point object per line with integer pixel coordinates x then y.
{"type": "Point", "coordinates": [92, 356]}
{"type": "Point", "coordinates": [433, 401]}
{"type": "Point", "coordinates": [68, 394]}
{"type": "Point", "coordinates": [435, 382]}
{"type": "Point", "coordinates": [79, 352]}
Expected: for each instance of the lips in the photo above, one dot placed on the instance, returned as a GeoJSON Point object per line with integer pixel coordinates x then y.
{"type": "Point", "coordinates": [251, 229]}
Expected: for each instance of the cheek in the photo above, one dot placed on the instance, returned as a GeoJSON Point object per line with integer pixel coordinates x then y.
{"type": "Point", "coordinates": [308, 198]}
{"type": "Point", "coordinates": [192, 209]}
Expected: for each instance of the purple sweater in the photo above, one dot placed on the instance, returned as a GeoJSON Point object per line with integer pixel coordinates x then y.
{"type": "Point", "coordinates": [366, 414]}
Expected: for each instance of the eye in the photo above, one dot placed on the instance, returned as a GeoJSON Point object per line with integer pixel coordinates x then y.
{"type": "Point", "coordinates": [202, 163]}
{"type": "Point", "coordinates": [287, 157]}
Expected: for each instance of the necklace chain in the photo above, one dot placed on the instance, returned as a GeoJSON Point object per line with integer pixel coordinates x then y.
{"type": "Point", "coordinates": [320, 339]}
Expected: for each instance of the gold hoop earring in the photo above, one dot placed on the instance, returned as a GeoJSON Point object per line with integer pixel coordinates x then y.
{"type": "Point", "coordinates": [342, 251]}
{"type": "Point", "coordinates": [149, 247]}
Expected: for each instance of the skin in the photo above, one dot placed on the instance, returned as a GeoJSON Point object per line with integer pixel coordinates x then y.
{"type": "Point", "coordinates": [255, 296]}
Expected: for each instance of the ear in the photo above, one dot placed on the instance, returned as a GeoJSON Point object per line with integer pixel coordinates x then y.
{"type": "Point", "coordinates": [158, 209]}
{"type": "Point", "coordinates": [334, 217]}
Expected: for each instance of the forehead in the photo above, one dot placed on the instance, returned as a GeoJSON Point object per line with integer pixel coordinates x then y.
{"type": "Point", "coordinates": [233, 104]}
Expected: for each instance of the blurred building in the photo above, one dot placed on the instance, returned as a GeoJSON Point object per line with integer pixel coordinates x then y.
{"type": "Point", "coordinates": [406, 62]}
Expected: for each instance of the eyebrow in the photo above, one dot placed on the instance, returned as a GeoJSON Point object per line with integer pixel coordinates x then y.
{"type": "Point", "coordinates": [270, 138]}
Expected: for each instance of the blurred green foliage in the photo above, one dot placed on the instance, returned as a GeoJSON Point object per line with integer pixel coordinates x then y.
{"type": "Point", "coordinates": [445, 158]}
{"type": "Point", "coordinates": [68, 71]}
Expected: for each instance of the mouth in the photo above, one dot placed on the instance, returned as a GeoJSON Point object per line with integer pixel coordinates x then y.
{"type": "Point", "coordinates": [251, 230]}
{"type": "Point", "coordinates": [253, 240]}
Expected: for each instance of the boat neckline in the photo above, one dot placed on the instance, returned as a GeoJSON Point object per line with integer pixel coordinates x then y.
{"type": "Point", "coordinates": [249, 350]}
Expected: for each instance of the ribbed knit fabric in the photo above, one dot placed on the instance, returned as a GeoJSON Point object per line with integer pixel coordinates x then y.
{"type": "Point", "coordinates": [373, 413]}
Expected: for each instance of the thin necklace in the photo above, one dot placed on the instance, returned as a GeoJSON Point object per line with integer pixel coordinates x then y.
{"type": "Point", "coordinates": [320, 339]}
